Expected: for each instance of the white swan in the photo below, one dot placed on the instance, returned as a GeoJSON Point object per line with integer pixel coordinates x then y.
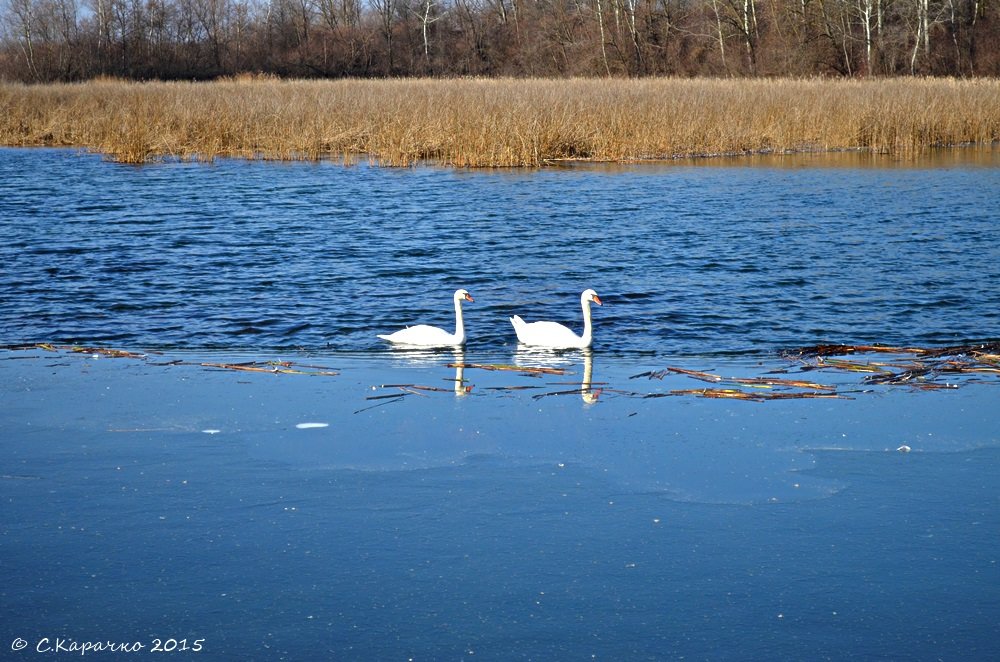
{"type": "Point", "coordinates": [423, 335]}
{"type": "Point", "coordinates": [554, 335]}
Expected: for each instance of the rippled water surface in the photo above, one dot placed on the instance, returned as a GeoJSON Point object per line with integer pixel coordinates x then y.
{"type": "Point", "coordinates": [690, 259]}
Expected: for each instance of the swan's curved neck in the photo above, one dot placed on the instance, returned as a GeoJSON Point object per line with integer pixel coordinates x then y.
{"type": "Point", "coordinates": [459, 323]}
{"type": "Point", "coordinates": [588, 329]}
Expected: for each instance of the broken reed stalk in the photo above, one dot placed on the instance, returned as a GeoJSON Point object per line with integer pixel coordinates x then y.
{"type": "Point", "coordinates": [498, 122]}
{"type": "Point", "coordinates": [509, 368]}
{"type": "Point", "coordinates": [736, 394]}
{"type": "Point", "coordinates": [270, 367]}
{"type": "Point", "coordinates": [383, 400]}
{"type": "Point", "coordinates": [417, 387]}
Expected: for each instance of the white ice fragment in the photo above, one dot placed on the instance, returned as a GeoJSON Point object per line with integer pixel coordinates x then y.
{"type": "Point", "coordinates": [308, 426]}
{"type": "Point", "coordinates": [211, 431]}
{"type": "Point", "coordinates": [904, 449]}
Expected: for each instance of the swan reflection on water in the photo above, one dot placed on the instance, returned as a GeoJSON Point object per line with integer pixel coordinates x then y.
{"type": "Point", "coordinates": [457, 359]}
{"type": "Point", "coordinates": [420, 357]}
{"type": "Point", "coordinates": [535, 357]}
{"type": "Point", "coordinates": [461, 388]}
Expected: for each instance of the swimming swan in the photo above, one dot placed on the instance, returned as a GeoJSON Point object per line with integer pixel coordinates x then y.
{"type": "Point", "coordinates": [423, 335]}
{"type": "Point", "coordinates": [557, 336]}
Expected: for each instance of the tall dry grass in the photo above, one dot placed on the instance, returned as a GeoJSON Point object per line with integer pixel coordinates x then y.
{"type": "Point", "coordinates": [489, 123]}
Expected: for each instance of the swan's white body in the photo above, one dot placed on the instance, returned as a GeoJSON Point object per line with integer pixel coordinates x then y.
{"type": "Point", "coordinates": [555, 335]}
{"type": "Point", "coordinates": [423, 335]}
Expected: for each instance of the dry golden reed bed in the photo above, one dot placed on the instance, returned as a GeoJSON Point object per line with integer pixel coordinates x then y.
{"type": "Point", "coordinates": [498, 123]}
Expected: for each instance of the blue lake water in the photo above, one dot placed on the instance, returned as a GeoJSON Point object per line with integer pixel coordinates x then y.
{"type": "Point", "coordinates": [689, 259]}
{"type": "Point", "coordinates": [600, 513]}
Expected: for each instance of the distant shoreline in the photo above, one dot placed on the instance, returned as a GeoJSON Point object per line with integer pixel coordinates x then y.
{"type": "Point", "coordinates": [484, 123]}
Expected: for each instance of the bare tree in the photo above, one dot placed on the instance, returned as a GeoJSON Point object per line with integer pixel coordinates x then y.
{"type": "Point", "coordinates": [720, 35]}
{"type": "Point", "coordinates": [604, 50]}
{"type": "Point", "coordinates": [428, 13]}
{"type": "Point", "coordinates": [19, 20]}
{"type": "Point", "coordinates": [922, 36]}
{"type": "Point", "coordinates": [386, 12]}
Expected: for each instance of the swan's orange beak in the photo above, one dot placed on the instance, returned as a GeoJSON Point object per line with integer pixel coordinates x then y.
{"type": "Point", "coordinates": [596, 299]}
{"type": "Point", "coordinates": [468, 297]}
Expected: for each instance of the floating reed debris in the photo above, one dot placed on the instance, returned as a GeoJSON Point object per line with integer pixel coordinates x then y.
{"type": "Point", "coordinates": [851, 366]}
{"type": "Point", "coordinates": [534, 371]}
{"type": "Point", "coordinates": [404, 390]}
{"type": "Point", "coordinates": [913, 367]}
{"type": "Point", "coordinates": [812, 351]}
{"type": "Point", "coordinates": [591, 393]}
{"type": "Point", "coordinates": [522, 387]}
{"type": "Point", "coordinates": [101, 351]}
{"type": "Point", "coordinates": [737, 394]}
{"type": "Point", "coordinates": [388, 396]}
{"type": "Point", "coordinates": [761, 382]}
{"type": "Point", "coordinates": [791, 383]}
{"type": "Point", "coordinates": [384, 400]}
{"type": "Point", "coordinates": [271, 367]}
{"type": "Point", "coordinates": [246, 367]}
{"type": "Point", "coordinates": [499, 122]}
{"type": "Point", "coordinates": [572, 391]}
{"type": "Point", "coordinates": [77, 349]}
{"type": "Point", "coordinates": [416, 387]}
{"type": "Point", "coordinates": [697, 374]}
{"type": "Point", "coordinates": [924, 366]}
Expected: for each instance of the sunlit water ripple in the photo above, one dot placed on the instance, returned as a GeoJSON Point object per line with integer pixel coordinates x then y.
{"type": "Point", "coordinates": [694, 259]}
